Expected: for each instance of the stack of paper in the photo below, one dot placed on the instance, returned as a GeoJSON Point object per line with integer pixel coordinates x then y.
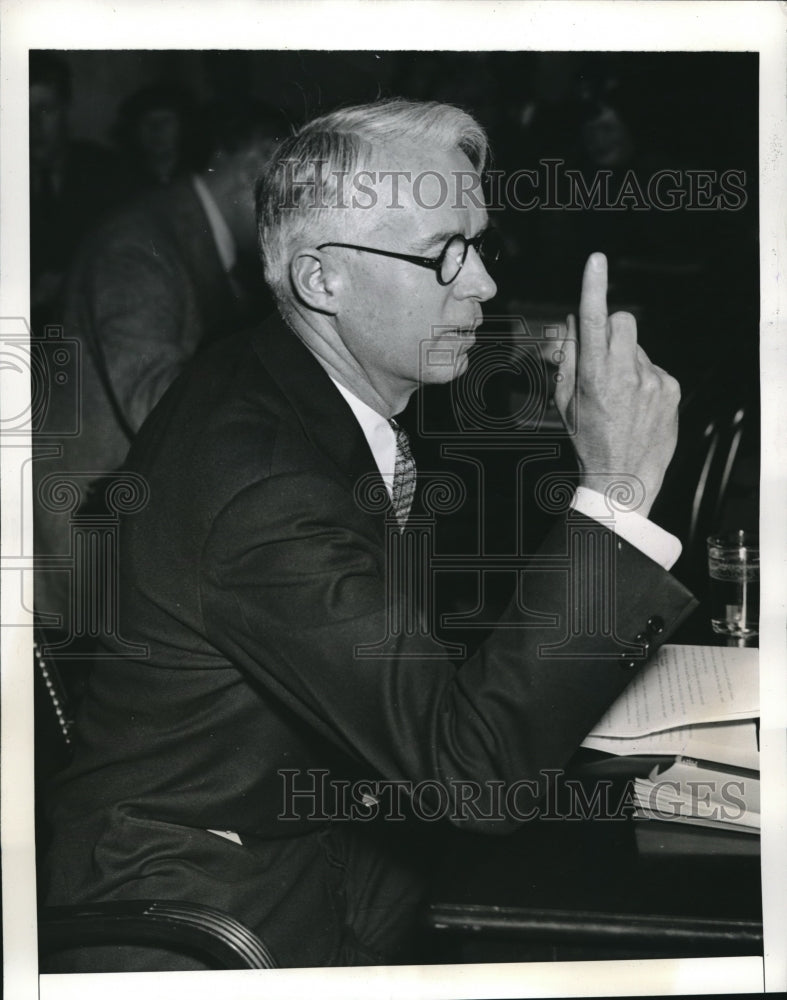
{"type": "Point", "coordinates": [698, 706]}
{"type": "Point", "coordinates": [690, 701]}
{"type": "Point", "coordinates": [699, 794]}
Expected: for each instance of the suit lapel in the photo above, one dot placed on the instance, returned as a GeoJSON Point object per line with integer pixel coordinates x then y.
{"type": "Point", "coordinates": [182, 213]}
{"type": "Point", "coordinates": [326, 418]}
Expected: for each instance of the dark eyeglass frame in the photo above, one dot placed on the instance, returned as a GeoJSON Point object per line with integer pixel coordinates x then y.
{"type": "Point", "coordinates": [433, 263]}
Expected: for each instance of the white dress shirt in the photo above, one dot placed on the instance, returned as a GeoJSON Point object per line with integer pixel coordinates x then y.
{"type": "Point", "coordinates": [660, 546]}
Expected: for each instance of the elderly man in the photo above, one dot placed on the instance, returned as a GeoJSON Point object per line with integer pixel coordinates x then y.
{"type": "Point", "coordinates": [217, 768]}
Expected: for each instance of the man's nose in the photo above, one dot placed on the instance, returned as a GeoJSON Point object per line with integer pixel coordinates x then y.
{"type": "Point", "coordinates": [474, 281]}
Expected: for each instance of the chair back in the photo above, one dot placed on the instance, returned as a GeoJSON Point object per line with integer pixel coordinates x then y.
{"type": "Point", "coordinates": [712, 483]}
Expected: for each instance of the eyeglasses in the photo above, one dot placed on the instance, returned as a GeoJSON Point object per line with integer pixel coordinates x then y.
{"type": "Point", "coordinates": [452, 257]}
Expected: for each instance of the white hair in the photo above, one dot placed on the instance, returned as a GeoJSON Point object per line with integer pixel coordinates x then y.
{"type": "Point", "coordinates": [310, 170]}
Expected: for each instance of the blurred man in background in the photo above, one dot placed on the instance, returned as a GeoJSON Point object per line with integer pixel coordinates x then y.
{"type": "Point", "coordinates": [149, 287]}
{"type": "Point", "coordinates": [156, 130]}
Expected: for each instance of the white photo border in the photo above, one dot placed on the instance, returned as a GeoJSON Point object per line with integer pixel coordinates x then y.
{"type": "Point", "coordinates": [616, 25]}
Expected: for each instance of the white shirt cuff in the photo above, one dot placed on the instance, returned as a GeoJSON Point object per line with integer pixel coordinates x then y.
{"type": "Point", "coordinates": [653, 541]}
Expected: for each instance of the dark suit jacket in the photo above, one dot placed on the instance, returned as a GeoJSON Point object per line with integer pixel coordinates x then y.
{"type": "Point", "coordinates": [253, 577]}
{"type": "Point", "coordinates": [147, 289]}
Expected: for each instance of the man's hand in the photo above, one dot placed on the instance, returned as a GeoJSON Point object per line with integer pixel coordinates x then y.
{"type": "Point", "coordinates": [622, 408]}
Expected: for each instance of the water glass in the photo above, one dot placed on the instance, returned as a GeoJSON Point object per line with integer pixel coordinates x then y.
{"type": "Point", "coordinates": [734, 570]}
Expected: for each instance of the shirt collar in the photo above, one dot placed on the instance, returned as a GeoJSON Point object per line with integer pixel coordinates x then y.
{"type": "Point", "coordinates": [222, 236]}
{"type": "Point", "coordinates": [379, 434]}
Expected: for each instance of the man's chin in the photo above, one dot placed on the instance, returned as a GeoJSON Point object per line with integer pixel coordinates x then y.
{"type": "Point", "coordinates": [450, 364]}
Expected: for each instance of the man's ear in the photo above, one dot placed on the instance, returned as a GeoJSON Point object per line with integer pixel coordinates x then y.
{"type": "Point", "coordinates": [314, 282]}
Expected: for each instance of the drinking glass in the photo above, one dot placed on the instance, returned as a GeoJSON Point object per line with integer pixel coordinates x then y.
{"type": "Point", "coordinates": [734, 570]}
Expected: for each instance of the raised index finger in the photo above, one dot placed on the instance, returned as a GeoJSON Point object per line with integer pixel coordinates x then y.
{"type": "Point", "coordinates": [593, 331]}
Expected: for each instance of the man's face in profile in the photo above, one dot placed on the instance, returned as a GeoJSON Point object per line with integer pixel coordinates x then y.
{"type": "Point", "coordinates": [397, 306]}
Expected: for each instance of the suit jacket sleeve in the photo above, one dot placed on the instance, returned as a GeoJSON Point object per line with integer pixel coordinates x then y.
{"type": "Point", "coordinates": [134, 297]}
{"type": "Point", "coordinates": [294, 591]}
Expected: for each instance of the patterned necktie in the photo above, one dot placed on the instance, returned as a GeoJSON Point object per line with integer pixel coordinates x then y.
{"type": "Point", "coordinates": [403, 489]}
